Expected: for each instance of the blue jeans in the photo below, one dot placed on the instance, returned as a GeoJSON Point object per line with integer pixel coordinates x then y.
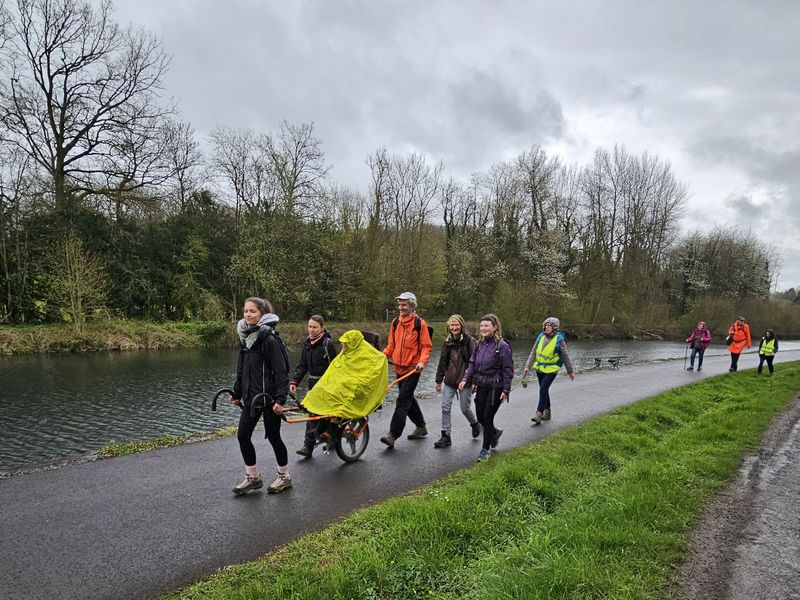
{"type": "Point", "coordinates": [699, 354]}
{"type": "Point", "coordinates": [545, 381]}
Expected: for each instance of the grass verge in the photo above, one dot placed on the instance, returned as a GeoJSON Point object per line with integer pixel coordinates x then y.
{"type": "Point", "coordinates": [600, 510]}
{"type": "Point", "coordinates": [112, 448]}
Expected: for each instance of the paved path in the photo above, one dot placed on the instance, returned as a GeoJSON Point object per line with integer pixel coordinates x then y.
{"type": "Point", "coordinates": [137, 526]}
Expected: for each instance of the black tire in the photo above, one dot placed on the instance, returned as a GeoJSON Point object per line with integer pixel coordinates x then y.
{"type": "Point", "coordinates": [352, 439]}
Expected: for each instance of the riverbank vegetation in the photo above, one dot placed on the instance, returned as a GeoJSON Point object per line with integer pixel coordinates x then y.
{"type": "Point", "coordinates": [111, 208]}
{"type": "Point", "coordinates": [113, 449]}
{"type": "Point", "coordinates": [599, 510]}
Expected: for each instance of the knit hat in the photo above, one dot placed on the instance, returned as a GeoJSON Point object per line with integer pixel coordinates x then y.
{"type": "Point", "coordinates": [553, 322]}
{"type": "Point", "coordinates": [460, 320]}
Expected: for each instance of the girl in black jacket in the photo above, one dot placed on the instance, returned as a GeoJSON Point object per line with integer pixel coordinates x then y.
{"type": "Point", "coordinates": [262, 368]}
{"type": "Point", "coordinates": [317, 353]}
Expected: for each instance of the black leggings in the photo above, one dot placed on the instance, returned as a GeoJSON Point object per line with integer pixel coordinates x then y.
{"type": "Point", "coordinates": [487, 403]}
{"type": "Point", "coordinates": [769, 359]}
{"type": "Point", "coordinates": [272, 428]}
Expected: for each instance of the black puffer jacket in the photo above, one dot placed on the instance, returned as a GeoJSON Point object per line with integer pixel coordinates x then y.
{"type": "Point", "coordinates": [261, 368]}
{"type": "Point", "coordinates": [314, 359]}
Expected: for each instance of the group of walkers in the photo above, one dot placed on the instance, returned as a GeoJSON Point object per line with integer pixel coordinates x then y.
{"type": "Point", "coordinates": [737, 340]}
{"type": "Point", "coordinates": [467, 367]}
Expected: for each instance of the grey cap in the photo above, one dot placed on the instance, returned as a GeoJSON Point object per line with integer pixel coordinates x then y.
{"type": "Point", "coordinates": [407, 296]}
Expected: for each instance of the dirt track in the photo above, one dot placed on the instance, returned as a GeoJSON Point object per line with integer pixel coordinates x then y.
{"type": "Point", "coordinates": [747, 545]}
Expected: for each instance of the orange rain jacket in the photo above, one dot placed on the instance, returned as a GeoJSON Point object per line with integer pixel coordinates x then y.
{"type": "Point", "coordinates": [741, 337]}
{"type": "Point", "coordinates": [406, 348]}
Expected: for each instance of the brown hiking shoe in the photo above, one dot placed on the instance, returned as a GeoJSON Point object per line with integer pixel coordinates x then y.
{"type": "Point", "coordinates": [389, 440]}
{"type": "Point", "coordinates": [537, 418]}
{"type": "Point", "coordinates": [546, 414]}
{"type": "Point", "coordinates": [305, 451]}
{"type": "Point", "coordinates": [250, 483]}
{"type": "Point", "coordinates": [418, 433]}
{"type": "Point", "coordinates": [283, 481]}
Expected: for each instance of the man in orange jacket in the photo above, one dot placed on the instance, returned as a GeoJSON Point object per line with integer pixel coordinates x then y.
{"type": "Point", "coordinates": [409, 349]}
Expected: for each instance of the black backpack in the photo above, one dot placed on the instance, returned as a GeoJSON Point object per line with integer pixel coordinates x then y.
{"type": "Point", "coordinates": [417, 328]}
{"type": "Point", "coordinates": [281, 345]}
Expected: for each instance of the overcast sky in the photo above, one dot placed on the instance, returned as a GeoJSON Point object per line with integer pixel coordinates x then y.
{"type": "Point", "coordinates": [713, 87]}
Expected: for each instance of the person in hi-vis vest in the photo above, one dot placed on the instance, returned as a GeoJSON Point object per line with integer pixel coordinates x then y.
{"type": "Point", "coordinates": [549, 352]}
{"type": "Point", "coordinates": [766, 350]}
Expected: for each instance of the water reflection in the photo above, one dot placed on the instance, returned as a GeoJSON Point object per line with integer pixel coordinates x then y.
{"type": "Point", "coordinates": [56, 406]}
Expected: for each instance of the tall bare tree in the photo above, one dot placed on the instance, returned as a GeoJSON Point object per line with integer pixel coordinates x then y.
{"type": "Point", "coordinates": [81, 97]}
{"type": "Point", "coordinates": [298, 165]}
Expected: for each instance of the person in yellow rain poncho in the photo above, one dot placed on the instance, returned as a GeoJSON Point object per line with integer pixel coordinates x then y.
{"type": "Point", "coordinates": [354, 384]}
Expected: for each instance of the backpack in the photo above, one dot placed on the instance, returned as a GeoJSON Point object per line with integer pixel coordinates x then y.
{"type": "Point", "coordinates": [281, 345]}
{"type": "Point", "coordinates": [417, 328]}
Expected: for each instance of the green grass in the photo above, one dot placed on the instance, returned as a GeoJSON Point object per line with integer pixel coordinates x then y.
{"type": "Point", "coordinates": [599, 510]}
{"type": "Point", "coordinates": [112, 448]}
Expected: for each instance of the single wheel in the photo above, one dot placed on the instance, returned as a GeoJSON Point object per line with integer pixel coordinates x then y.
{"type": "Point", "coordinates": [352, 439]}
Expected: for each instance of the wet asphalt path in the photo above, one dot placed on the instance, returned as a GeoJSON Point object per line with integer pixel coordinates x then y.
{"type": "Point", "coordinates": [138, 526]}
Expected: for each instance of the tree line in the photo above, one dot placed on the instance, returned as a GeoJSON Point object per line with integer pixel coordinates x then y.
{"type": "Point", "coordinates": [110, 206]}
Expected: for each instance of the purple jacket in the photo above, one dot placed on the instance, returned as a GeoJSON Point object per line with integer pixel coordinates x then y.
{"type": "Point", "coordinates": [491, 365]}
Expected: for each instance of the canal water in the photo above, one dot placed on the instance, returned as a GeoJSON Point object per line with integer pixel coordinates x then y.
{"type": "Point", "coordinates": [60, 406]}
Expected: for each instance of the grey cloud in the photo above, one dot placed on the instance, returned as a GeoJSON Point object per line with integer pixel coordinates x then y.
{"type": "Point", "coordinates": [746, 209]}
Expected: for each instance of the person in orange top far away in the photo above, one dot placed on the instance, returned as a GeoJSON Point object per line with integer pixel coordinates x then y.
{"type": "Point", "coordinates": [740, 339]}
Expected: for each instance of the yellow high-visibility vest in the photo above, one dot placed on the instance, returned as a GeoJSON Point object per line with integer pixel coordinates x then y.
{"type": "Point", "coordinates": [547, 359]}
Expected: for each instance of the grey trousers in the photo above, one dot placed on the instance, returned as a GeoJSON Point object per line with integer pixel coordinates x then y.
{"type": "Point", "coordinates": [464, 399]}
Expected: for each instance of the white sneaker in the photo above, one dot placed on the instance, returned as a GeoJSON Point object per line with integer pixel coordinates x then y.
{"type": "Point", "coordinates": [283, 481]}
{"type": "Point", "coordinates": [251, 482]}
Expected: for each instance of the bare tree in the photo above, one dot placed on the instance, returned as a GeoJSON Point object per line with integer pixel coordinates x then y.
{"type": "Point", "coordinates": [298, 165]}
{"type": "Point", "coordinates": [185, 161]}
{"type": "Point", "coordinates": [81, 94]}
{"type": "Point", "coordinates": [238, 158]}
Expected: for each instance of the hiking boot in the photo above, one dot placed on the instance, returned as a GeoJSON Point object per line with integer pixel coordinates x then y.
{"type": "Point", "coordinates": [484, 455]}
{"type": "Point", "coordinates": [418, 433]}
{"type": "Point", "coordinates": [444, 441]}
{"type": "Point", "coordinates": [283, 481]}
{"type": "Point", "coordinates": [476, 429]}
{"type": "Point", "coordinates": [305, 451]}
{"type": "Point", "coordinates": [537, 418]}
{"type": "Point", "coordinates": [690, 368]}
{"type": "Point", "coordinates": [496, 437]}
{"type": "Point", "coordinates": [546, 414]}
{"type": "Point", "coordinates": [251, 482]}
{"type": "Point", "coordinates": [699, 369]}
{"type": "Point", "coordinates": [388, 440]}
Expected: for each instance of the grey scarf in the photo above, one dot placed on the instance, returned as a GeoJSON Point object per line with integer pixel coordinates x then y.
{"type": "Point", "coordinates": [248, 334]}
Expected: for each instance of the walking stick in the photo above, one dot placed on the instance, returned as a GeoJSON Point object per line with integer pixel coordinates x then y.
{"type": "Point", "coordinates": [685, 354]}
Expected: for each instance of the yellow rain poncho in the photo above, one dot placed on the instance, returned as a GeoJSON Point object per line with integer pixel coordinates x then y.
{"type": "Point", "coordinates": [355, 382]}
